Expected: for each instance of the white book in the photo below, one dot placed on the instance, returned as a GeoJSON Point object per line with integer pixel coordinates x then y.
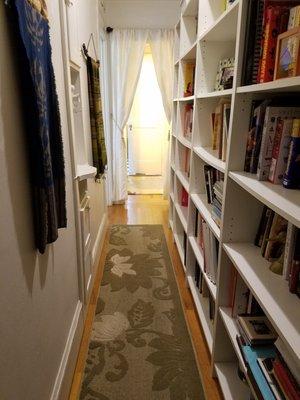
{"type": "Point", "coordinates": [267, 141]}
{"type": "Point", "coordinates": [289, 250]}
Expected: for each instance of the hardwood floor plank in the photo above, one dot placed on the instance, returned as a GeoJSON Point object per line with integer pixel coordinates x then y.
{"type": "Point", "coordinates": [149, 209]}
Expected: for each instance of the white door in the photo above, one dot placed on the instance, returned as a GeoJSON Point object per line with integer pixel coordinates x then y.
{"type": "Point", "coordinates": [145, 150]}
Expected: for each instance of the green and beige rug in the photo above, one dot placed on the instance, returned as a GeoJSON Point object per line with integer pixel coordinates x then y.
{"type": "Point", "coordinates": [140, 347]}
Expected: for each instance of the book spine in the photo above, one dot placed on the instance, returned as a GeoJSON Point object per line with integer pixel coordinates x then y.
{"type": "Point", "coordinates": [280, 153]}
{"type": "Point", "coordinates": [184, 197]}
{"type": "Point", "coordinates": [269, 215]}
{"type": "Point", "coordinates": [266, 148]}
{"type": "Point", "coordinates": [291, 179]}
{"type": "Point", "coordinates": [268, 42]}
{"type": "Point", "coordinates": [262, 226]}
{"type": "Point", "coordinates": [285, 382]}
{"type": "Point", "coordinates": [295, 268]}
{"type": "Point", "coordinates": [258, 39]}
{"type": "Point", "coordinates": [289, 250]}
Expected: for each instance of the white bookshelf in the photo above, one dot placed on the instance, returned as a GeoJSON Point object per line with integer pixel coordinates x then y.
{"type": "Point", "coordinates": [206, 34]}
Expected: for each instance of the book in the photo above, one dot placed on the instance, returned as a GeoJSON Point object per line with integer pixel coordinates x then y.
{"type": "Point", "coordinates": [187, 160]}
{"type": "Point", "coordinates": [189, 79]}
{"type": "Point", "coordinates": [184, 197]}
{"type": "Point", "coordinates": [289, 250]}
{"type": "Point", "coordinates": [225, 134]}
{"type": "Point", "coordinates": [285, 379]}
{"type": "Point", "coordinates": [276, 241]}
{"type": "Point", "coordinates": [294, 284]}
{"type": "Point", "coordinates": [266, 366]}
{"type": "Point", "coordinates": [280, 151]}
{"type": "Point", "coordinates": [188, 121]}
{"type": "Point", "coordinates": [240, 296]}
{"type": "Point", "coordinates": [269, 220]}
{"type": "Point", "coordinates": [261, 229]}
{"type": "Point", "coordinates": [291, 179]}
{"type": "Point", "coordinates": [268, 134]}
{"type": "Point", "coordinates": [249, 43]}
{"type": "Point", "coordinates": [214, 244]}
{"type": "Point", "coordinates": [288, 358]}
{"type": "Point", "coordinates": [273, 26]}
{"type": "Point", "coordinates": [258, 117]}
{"type": "Point", "coordinates": [251, 354]}
{"type": "Point", "coordinates": [257, 329]}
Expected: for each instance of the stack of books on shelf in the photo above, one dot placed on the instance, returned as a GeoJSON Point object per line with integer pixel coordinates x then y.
{"type": "Point", "coordinates": [203, 290]}
{"type": "Point", "coordinates": [272, 372]}
{"type": "Point", "coordinates": [280, 245]}
{"type": "Point", "coordinates": [209, 246]}
{"type": "Point", "coordinates": [188, 121]}
{"type": "Point", "coordinates": [273, 143]}
{"type": "Point", "coordinates": [189, 78]}
{"type": "Point", "coordinates": [220, 127]}
{"type": "Point", "coordinates": [214, 183]}
{"type": "Point", "coordinates": [266, 41]}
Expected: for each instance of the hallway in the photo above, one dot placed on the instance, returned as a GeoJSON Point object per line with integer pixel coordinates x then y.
{"type": "Point", "coordinates": [149, 209]}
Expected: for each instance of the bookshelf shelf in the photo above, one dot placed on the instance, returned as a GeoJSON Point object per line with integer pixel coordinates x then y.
{"type": "Point", "coordinates": [199, 257]}
{"type": "Point", "coordinates": [180, 250]}
{"type": "Point", "coordinates": [182, 213]}
{"type": "Point", "coordinates": [184, 141]}
{"type": "Point", "coordinates": [216, 93]}
{"type": "Point", "coordinates": [183, 179]}
{"type": "Point", "coordinates": [210, 157]}
{"type": "Point", "coordinates": [204, 36]}
{"type": "Point", "coordinates": [232, 331]}
{"type": "Point", "coordinates": [283, 201]}
{"type": "Point", "coordinates": [186, 99]}
{"type": "Point", "coordinates": [224, 28]}
{"type": "Point", "coordinates": [280, 85]}
{"type": "Point", "coordinates": [232, 387]}
{"type": "Point", "coordinates": [270, 291]}
{"type": "Point", "coordinates": [205, 210]}
{"type": "Point", "coordinates": [202, 306]}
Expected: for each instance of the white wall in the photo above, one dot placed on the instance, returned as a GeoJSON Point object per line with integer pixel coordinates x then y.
{"type": "Point", "coordinates": [142, 13]}
{"type": "Point", "coordinates": [39, 294]}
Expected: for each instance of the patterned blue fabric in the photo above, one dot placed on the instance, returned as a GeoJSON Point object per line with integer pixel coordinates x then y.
{"type": "Point", "coordinates": [43, 125]}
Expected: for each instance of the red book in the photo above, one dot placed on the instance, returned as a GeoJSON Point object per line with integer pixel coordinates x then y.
{"type": "Point", "coordinates": [273, 23]}
{"type": "Point", "coordinates": [184, 198]}
{"type": "Point", "coordinates": [286, 381]}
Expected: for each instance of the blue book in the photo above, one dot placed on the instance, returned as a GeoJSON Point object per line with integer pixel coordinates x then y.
{"type": "Point", "coordinates": [251, 355]}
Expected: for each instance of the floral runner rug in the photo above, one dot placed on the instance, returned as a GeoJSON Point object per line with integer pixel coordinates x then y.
{"type": "Point", "coordinates": [140, 347]}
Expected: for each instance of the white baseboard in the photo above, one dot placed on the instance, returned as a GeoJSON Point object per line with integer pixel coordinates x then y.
{"type": "Point", "coordinates": [66, 369]}
{"type": "Point", "coordinates": [99, 242]}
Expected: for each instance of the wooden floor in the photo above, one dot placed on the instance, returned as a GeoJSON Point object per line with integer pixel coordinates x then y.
{"type": "Point", "coordinates": [149, 209]}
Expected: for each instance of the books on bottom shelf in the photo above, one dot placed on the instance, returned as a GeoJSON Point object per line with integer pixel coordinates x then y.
{"type": "Point", "coordinates": [209, 246]}
{"type": "Point", "coordinates": [273, 143]}
{"type": "Point", "coordinates": [272, 372]}
{"type": "Point", "coordinates": [279, 241]}
{"type": "Point", "coordinates": [220, 128]}
{"type": "Point", "coordinates": [214, 184]}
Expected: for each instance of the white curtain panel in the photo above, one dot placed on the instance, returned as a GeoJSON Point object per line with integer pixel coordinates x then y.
{"type": "Point", "coordinates": [162, 47]}
{"type": "Point", "coordinates": [127, 51]}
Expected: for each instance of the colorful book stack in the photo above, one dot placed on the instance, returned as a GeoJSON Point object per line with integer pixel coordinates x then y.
{"type": "Point", "coordinates": [188, 121]}
{"type": "Point", "coordinates": [189, 79]}
{"type": "Point", "coordinates": [280, 244]}
{"type": "Point", "coordinates": [220, 127]}
{"type": "Point", "coordinates": [209, 246]}
{"type": "Point", "coordinates": [266, 20]}
{"type": "Point", "coordinates": [214, 181]}
{"type": "Point", "coordinates": [273, 144]}
{"type": "Point", "coordinates": [272, 372]}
